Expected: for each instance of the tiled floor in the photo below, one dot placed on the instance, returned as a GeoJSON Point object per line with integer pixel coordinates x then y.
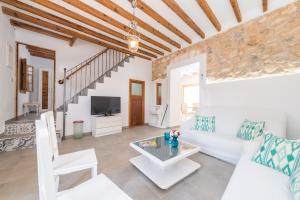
{"type": "Point", "coordinates": [30, 117]}
{"type": "Point", "coordinates": [18, 174]}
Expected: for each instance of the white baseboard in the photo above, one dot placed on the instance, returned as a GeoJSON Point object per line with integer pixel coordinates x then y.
{"type": "Point", "coordinates": [2, 127]}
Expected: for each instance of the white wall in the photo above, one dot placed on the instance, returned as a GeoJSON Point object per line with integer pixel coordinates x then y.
{"type": "Point", "coordinates": [117, 85]}
{"type": "Point", "coordinates": [277, 93]}
{"type": "Point", "coordinates": [23, 97]}
{"type": "Point", "coordinates": [274, 92]}
{"type": "Point", "coordinates": [175, 98]}
{"type": "Point", "coordinates": [66, 56]}
{"type": "Point", "coordinates": [7, 73]}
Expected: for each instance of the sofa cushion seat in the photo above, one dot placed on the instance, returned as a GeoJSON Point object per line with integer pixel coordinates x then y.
{"type": "Point", "coordinates": [222, 146]}
{"type": "Point", "coordinates": [254, 181]}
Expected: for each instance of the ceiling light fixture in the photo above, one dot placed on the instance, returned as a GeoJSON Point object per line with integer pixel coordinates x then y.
{"type": "Point", "coordinates": [133, 37]}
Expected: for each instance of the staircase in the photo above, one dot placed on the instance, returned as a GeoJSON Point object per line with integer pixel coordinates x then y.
{"type": "Point", "coordinates": [20, 133]}
{"type": "Point", "coordinates": [79, 79]}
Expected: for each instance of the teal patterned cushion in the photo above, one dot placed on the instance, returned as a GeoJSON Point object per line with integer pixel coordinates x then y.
{"type": "Point", "coordinates": [294, 183]}
{"type": "Point", "coordinates": [250, 130]}
{"type": "Point", "coordinates": [278, 153]}
{"type": "Point", "coordinates": [205, 123]}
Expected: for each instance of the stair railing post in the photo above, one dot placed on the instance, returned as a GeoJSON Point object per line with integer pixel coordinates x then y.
{"type": "Point", "coordinates": [65, 104]}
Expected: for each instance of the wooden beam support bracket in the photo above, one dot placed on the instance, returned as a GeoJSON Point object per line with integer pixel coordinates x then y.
{"type": "Point", "coordinates": [265, 5]}
{"type": "Point", "coordinates": [72, 41]}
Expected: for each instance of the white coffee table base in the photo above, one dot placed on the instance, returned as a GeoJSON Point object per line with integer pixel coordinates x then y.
{"type": "Point", "coordinates": [168, 176]}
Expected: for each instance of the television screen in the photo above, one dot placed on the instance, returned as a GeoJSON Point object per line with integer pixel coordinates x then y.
{"type": "Point", "coordinates": [105, 105]}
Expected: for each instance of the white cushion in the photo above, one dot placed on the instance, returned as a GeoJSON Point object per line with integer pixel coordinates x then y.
{"type": "Point", "coordinates": [251, 181]}
{"type": "Point", "coordinates": [75, 161]}
{"type": "Point", "coordinates": [221, 146]}
{"type": "Point", "coordinates": [96, 188]}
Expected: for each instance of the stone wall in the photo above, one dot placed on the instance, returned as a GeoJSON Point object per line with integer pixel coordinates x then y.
{"type": "Point", "coordinates": [266, 45]}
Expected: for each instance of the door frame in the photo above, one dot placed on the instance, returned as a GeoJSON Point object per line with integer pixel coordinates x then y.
{"type": "Point", "coordinates": [17, 76]}
{"type": "Point", "coordinates": [129, 102]}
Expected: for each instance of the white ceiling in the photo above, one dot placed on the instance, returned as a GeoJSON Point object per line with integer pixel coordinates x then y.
{"type": "Point", "coordinates": [221, 8]}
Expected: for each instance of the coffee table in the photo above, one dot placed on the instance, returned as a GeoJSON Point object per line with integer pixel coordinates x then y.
{"type": "Point", "coordinates": [163, 164]}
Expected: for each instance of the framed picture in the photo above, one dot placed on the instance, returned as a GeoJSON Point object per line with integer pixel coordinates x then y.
{"type": "Point", "coordinates": [9, 61]}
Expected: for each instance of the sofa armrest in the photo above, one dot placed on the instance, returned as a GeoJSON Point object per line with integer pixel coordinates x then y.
{"type": "Point", "coordinates": [188, 124]}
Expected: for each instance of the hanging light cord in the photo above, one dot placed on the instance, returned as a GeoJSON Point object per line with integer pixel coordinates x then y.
{"type": "Point", "coordinates": [133, 23]}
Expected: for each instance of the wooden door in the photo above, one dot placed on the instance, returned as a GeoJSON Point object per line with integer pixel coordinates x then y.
{"type": "Point", "coordinates": [136, 102]}
{"type": "Point", "coordinates": [158, 93]}
{"type": "Point", "coordinates": [23, 75]}
{"type": "Point", "coordinates": [45, 85]}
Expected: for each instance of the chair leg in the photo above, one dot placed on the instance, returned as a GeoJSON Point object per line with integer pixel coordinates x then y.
{"type": "Point", "coordinates": [57, 182]}
{"type": "Point", "coordinates": [94, 171]}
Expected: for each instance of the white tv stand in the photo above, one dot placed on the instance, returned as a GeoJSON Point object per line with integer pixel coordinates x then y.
{"type": "Point", "coordinates": [106, 125]}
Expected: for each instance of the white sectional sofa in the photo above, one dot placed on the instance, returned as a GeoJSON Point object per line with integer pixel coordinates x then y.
{"type": "Point", "coordinates": [250, 181]}
{"type": "Point", "coordinates": [223, 144]}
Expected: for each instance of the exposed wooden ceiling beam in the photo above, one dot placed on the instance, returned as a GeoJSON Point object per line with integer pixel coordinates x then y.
{"type": "Point", "coordinates": [209, 13]}
{"type": "Point", "coordinates": [265, 5]}
{"type": "Point", "coordinates": [182, 14]}
{"type": "Point", "coordinates": [39, 30]}
{"type": "Point", "coordinates": [69, 24]}
{"type": "Point", "coordinates": [92, 11]}
{"type": "Point", "coordinates": [236, 10]}
{"type": "Point", "coordinates": [66, 31]}
{"type": "Point", "coordinates": [64, 11]}
{"type": "Point", "coordinates": [157, 17]}
{"type": "Point", "coordinates": [127, 15]}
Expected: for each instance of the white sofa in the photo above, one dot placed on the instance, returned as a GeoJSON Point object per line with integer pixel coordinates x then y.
{"type": "Point", "coordinates": [223, 144]}
{"type": "Point", "coordinates": [252, 181]}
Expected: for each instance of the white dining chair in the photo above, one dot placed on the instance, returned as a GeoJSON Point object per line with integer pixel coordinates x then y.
{"type": "Point", "coordinates": [70, 162]}
{"type": "Point", "coordinates": [99, 187]}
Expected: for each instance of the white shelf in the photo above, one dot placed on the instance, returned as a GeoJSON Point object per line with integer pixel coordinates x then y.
{"type": "Point", "coordinates": [165, 177]}
{"type": "Point", "coordinates": [106, 125]}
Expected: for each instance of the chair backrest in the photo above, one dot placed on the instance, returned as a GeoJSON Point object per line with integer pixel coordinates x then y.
{"type": "Point", "coordinates": [46, 180]}
{"type": "Point", "coordinates": [48, 118]}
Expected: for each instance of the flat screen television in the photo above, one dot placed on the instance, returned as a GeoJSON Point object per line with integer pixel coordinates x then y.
{"type": "Point", "coordinates": [105, 105]}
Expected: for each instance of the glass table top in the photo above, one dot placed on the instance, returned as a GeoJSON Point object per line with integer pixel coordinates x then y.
{"type": "Point", "coordinates": [161, 149]}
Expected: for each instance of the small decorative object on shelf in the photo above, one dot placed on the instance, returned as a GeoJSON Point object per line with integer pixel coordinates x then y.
{"type": "Point", "coordinates": [174, 138]}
